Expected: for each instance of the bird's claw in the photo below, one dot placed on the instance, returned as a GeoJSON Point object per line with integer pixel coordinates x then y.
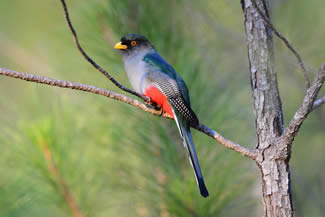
{"type": "Point", "coordinates": [148, 101]}
{"type": "Point", "coordinates": [161, 111]}
{"type": "Point", "coordinates": [158, 108]}
{"type": "Point", "coordinates": [155, 106]}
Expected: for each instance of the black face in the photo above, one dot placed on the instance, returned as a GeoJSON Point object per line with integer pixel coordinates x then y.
{"type": "Point", "coordinates": [133, 41]}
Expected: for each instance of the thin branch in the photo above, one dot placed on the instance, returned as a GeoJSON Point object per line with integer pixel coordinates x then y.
{"type": "Point", "coordinates": [227, 143]}
{"type": "Point", "coordinates": [285, 40]}
{"type": "Point", "coordinates": [91, 61]}
{"type": "Point", "coordinates": [319, 102]}
{"type": "Point", "coordinates": [59, 179]}
{"type": "Point", "coordinates": [110, 94]}
{"type": "Point", "coordinates": [307, 106]}
{"type": "Point", "coordinates": [78, 86]}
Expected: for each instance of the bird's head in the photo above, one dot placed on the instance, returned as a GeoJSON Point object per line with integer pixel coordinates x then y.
{"type": "Point", "coordinates": [133, 43]}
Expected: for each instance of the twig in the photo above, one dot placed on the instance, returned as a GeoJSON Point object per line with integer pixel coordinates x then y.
{"type": "Point", "coordinates": [284, 39]}
{"type": "Point", "coordinates": [319, 102]}
{"type": "Point", "coordinates": [227, 143]}
{"type": "Point", "coordinates": [78, 86]}
{"type": "Point", "coordinates": [91, 61]}
{"type": "Point", "coordinates": [59, 179]}
{"type": "Point", "coordinates": [110, 94]}
{"type": "Point", "coordinates": [307, 106]}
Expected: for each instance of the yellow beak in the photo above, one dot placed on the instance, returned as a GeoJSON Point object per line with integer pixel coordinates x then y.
{"type": "Point", "coordinates": [120, 46]}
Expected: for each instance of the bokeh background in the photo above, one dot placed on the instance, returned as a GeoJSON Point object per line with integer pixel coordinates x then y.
{"type": "Point", "coordinates": [60, 146]}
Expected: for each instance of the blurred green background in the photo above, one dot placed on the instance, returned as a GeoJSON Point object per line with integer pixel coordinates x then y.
{"type": "Point", "coordinates": [116, 160]}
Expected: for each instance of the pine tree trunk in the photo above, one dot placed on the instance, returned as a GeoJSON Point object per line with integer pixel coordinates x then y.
{"type": "Point", "coordinates": [274, 160]}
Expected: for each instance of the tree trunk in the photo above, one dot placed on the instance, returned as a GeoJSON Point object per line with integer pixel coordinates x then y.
{"type": "Point", "coordinates": [274, 160]}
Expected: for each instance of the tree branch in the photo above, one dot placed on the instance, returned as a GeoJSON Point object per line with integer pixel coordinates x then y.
{"type": "Point", "coordinates": [91, 61]}
{"type": "Point", "coordinates": [319, 102]}
{"type": "Point", "coordinates": [110, 94]}
{"type": "Point", "coordinates": [307, 106]}
{"type": "Point", "coordinates": [284, 39]}
{"type": "Point", "coordinates": [79, 86]}
{"type": "Point", "coordinates": [227, 143]}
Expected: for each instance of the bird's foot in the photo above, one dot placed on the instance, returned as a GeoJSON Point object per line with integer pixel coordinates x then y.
{"type": "Point", "coordinates": [155, 106]}
{"type": "Point", "coordinates": [147, 100]}
{"type": "Point", "coordinates": [158, 108]}
{"type": "Point", "coordinates": [162, 112]}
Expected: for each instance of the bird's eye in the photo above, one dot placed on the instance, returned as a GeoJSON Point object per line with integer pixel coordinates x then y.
{"type": "Point", "coordinates": [133, 43]}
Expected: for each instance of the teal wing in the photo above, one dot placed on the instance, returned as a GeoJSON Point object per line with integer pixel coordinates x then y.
{"type": "Point", "coordinates": [165, 78]}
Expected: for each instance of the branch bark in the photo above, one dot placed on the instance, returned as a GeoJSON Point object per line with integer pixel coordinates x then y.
{"type": "Point", "coordinates": [307, 106]}
{"type": "Point", "coordinates": [274, 143]}
{"type": "Point", "coordinates": [319, 102]}
{"type": "Point", "coordinates": [266, 18]}
{"type": "Point", "coordinates": [268, 111]}
{"type": "Point", "coordinates": [125, 99]}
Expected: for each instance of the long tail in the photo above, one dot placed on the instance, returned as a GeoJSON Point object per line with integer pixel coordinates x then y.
{"type": "Point", "coordinates": [189, 145]}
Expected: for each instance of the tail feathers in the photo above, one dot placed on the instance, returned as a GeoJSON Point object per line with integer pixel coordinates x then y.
{"type": "Point", "coordinates": [189, 145]}
{"type": "Point", "coordinates": [203, 190]}
{"type": "Point", "coordinates": [195, 163]}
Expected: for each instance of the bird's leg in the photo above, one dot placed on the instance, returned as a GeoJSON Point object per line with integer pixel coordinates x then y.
{"type": "Point", "coordinates": [158, 108]}
{"type": "Point", "coordinates": [161, 111]}
{"type": "Point", "coordinates": [147, 99]}
{"type": "Point", "coordinates": [155, 106]}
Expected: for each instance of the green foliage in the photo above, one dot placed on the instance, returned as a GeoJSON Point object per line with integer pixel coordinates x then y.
{"type": "Point", "coordinates": [115, 159]}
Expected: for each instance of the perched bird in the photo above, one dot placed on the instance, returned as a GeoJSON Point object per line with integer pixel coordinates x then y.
{"type": "Point", "coordinates": [150, 75]}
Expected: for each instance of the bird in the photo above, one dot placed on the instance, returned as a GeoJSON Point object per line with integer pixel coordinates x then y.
{"type": "Point", "coordinates": [151, 76]}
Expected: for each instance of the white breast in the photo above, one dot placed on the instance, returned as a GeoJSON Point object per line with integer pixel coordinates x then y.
{"type": "Point", "coordinates": [135, 69]}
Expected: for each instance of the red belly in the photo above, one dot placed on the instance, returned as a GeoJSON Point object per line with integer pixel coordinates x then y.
{"type": "Point", "coordinates": [159, 98]}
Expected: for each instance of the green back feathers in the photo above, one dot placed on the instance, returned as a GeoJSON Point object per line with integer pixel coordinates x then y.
{"type": "Point", "coordinates": [156, 61]}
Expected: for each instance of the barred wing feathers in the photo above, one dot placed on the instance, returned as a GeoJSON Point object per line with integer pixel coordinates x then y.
{"type": "Point", "coordinates": [166, 80]}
